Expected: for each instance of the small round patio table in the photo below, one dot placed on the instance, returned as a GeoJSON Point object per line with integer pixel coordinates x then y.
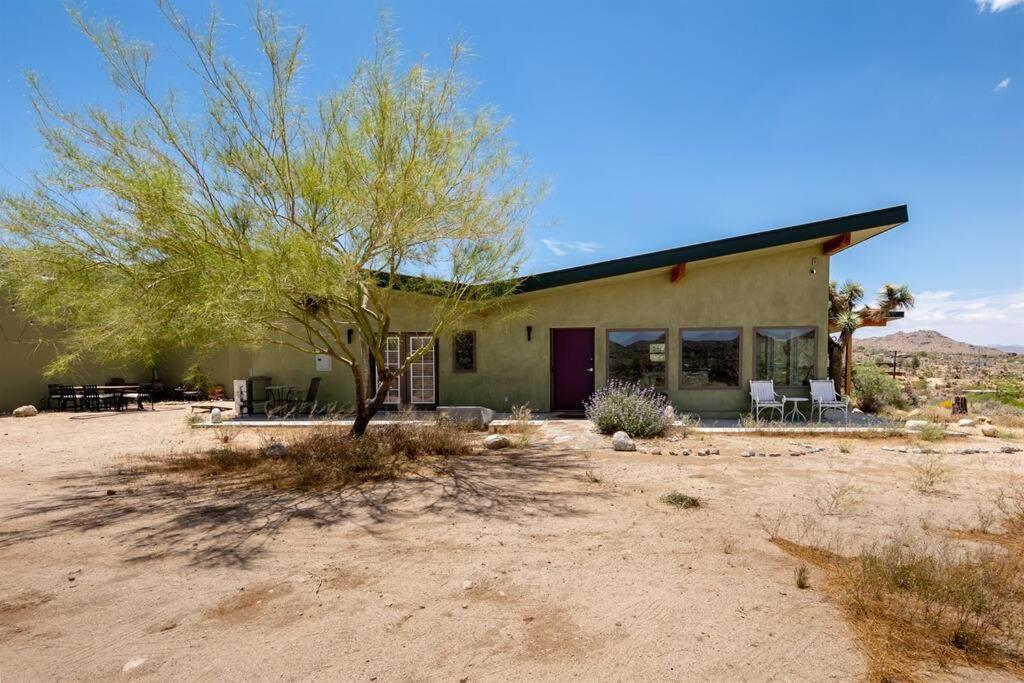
{"type": "Point", "coordinates": [795, 411]}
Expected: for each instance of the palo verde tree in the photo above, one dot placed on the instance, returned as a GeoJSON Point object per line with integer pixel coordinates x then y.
{"type": "Point", "coordinates": [846, 316]}
{"type": "Point", "coordinates": [253, 213]}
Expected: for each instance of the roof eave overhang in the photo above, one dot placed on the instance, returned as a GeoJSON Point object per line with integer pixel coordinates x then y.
{"type": "Point", "coordinates": [818, 230]}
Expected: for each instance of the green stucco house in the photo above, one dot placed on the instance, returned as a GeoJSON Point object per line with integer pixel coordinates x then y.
{"type": "Point", "coordinates": [697, 322]}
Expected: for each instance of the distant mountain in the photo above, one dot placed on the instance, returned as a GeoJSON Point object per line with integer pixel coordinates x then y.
{"type": "Point", "coordinates": [924, 340]}
{"type": "Point", "coordinates": [1011, 348]}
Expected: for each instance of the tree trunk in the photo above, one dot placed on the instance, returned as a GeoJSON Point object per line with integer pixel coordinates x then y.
{"type": "Point", "coordinates": [848, 383]}
{"type": "Point", "coordinates": [835, 362]}
{"type": "Point", "coordinates": [366, 409]}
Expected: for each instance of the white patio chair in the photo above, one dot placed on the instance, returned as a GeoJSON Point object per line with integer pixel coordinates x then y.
{"type": "Point", "coordinates": [763, 397]}
{"type": "Point", "coordinates": [824, 397]}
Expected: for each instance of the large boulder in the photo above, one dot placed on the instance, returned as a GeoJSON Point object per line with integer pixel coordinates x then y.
{"type": "Point", "coordinates": [496, 441]}
{"type": "Point", "coordinates": [916, 424]}
{"type": "Point", "coordinates": [26, 411]}
{"type": "Point", "coordinates": [966, 422]}
{"type": "Point", "coordinates": [622, 442]}
{"type": "Point", "coordinates": [478, 414]}
{"type": "Point", "coordinates": [989, 430]}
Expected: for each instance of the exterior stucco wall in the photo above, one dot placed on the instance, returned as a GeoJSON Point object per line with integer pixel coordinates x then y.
{"type": "Point", "coordinates": [750, 290]}
{"type": "Point", "coordinates": [26, 350]}
{"type": "Point", "coordinates": [747, 292]}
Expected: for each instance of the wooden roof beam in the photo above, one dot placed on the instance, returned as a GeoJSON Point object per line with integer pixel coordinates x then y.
{"type": "Point", "coordinates": [836, 244]}
{"type": "Point", "coordinates": [678, 272]}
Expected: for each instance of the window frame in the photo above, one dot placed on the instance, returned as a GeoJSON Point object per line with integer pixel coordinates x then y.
{"type": "Point", "coordinates": [608, 355]}
{"type": "Point", "coordinates": [739, 359]}
{"type": "Point", "coordinates": [455, 364]}
{"type": "Point", "coordinates": [817, 341]}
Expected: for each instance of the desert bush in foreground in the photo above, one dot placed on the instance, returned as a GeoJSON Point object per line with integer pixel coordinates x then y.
{"type": "Point", "coordinates": [915, 607]}
{"type": "Point", "coordinates": [930, 473]}
{"type": "Point", "coordinates": [628, 407]}
{"type": "Point", "coordinates": [680, 500]}
{"type": "Point", "coordinates": [874, 388]}
{"type": "Point", "coordinates": [330, 457]}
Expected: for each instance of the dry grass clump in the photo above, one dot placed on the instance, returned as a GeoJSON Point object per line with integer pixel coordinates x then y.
{"type": "Point", "coordinates": [521, 430]}
{"type": "Point", "coordinates": [930, 473]}
{"type": "Point", "coordinates": [329, 457]}
{"type": "Point", "coordinates": [1000, 414]}
{"type": "Point", "coordinates": [836, 498]}
{"type": "Point", "coordinates": [915, 606]}
{"type": "Point", "coordinates": [680, 500]}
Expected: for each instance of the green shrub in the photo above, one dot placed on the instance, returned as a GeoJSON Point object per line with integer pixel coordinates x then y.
{"type": "Point", "coordinates": [628, 407]}
{"type": "Point", "coordinates": [874, 388]}
{"type": "Point", "coordinates": [680, 500]}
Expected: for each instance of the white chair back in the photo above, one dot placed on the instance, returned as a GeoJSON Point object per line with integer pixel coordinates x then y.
{"type": "Point", "coordinates": [762, 390]}
{"type": "Point", "coordinates": [823, 390]}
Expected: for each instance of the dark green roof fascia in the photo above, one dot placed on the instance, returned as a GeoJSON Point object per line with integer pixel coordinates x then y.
{"type": "Point", "coordinates": [724, 247]}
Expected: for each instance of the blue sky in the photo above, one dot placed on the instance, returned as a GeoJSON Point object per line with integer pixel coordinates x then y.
{"type": "Point", "coordinates": [663, 124]}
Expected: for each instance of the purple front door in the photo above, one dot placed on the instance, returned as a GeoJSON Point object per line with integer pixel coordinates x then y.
{"type": "Point", "coordinates": [572, 367]}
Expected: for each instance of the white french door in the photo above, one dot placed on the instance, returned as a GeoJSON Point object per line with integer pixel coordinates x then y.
{"type": "Point", "coordinates": [393, 361]}
{"type": "Point", "coordinates": [418, 385]}
{"type": "Point", "coordinates": [421, 372]}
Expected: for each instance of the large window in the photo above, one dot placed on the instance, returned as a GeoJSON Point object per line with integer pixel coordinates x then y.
{"type": "Point", "coordinates": [638, 356]}
{"type": "Point", "coordinates": [710, 359]}
{"type": "Point", "coordinates": [786, 355]}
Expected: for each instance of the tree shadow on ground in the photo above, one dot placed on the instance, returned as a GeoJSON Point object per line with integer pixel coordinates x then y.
{"type": "Point", "coordinates": [220, 521]}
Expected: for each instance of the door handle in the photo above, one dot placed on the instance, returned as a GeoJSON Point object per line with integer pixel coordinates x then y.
{"type": "Point", "coordinates": [590, 369]}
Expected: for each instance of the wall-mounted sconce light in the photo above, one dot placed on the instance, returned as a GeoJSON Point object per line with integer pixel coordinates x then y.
{"type": "Point", "coordinates": [814, 265]}
{"type": "Point", "coordinates": [529, 332]}
{"type": "Point", "coordinates": [350, 335]}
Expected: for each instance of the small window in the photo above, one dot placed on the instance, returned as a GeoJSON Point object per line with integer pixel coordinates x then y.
{"type": "Point", "coordinates": [464, 351]}
{"type": "Point", "coordinates": [785, 355]}
{"type": "Point", "coordinates": [637, 356]}
{"type": "Point", "coordinates": [710, 359]}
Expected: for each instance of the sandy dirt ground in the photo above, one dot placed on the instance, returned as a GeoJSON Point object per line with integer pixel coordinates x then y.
{"type": "Point", "coordinates": [514, 565]}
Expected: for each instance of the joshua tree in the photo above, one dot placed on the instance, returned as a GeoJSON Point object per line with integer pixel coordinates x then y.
{"type": "Point", "coordinates": [263, 214]}
{"type": "Point", "coordinates": [845, 315]}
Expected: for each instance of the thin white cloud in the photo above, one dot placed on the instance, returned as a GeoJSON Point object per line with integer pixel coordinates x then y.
{"type": "Point", "coordinates": [1003, 84]}
{"type": "Point", "coordinates": [982, 319]}
{"type": "Point", "coordinates": [994, 6]}
{"type": "Point", "coordinates": [562, 248]}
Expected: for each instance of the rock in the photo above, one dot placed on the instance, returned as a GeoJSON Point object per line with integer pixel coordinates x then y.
{"type": "Point", "coordinates": [747, 454]}
{"type": "Point", "coordinates": [133, 664]}
{"type": "Point", "coordinates": [655, 451]}
{"type": "Point", "coordinates": [902, 449]}
{"type": "Point", "coordinates": [275, 450]}
{"type": "Point", "coordinates": [467, 414]}
{"type": "Point", "coordinates": [25, 411]}
{"type": "Point", "coordinates": [466, 585]}
{"type": "Point", "coordinates": [713, 451]}
{"type": "Point", "coordinates": [983, 418]}
{"type": "Point", "coordinates": [989, 430]}
{"type": "Point", "coordinates": [111, 492]}
{"type": "Point", "coordinates": [702, 452]}
{"type": "Point", "coordinates": [496, 441]}
{"type": "Point", "coordinates": [1009, 449]}
{"type": "Point", "coordinates": [686, 451]}
{"type": "Point", "coordinates": [775, 455]}
{"type": "Point", "coordinates": [673, 453]}
{"type": "Point", "coordinates": [622, 442]}
{"type": "Point", "coordinates": [966, 422]}
{"type": "Point", "coordinates": [670, 414]}
{"type": "Point", "coordinates": [916, 424]}
{"type": "Point", "coordinates": [215, 416]}
{"type": "Point", "coordinates": [795, 453]}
